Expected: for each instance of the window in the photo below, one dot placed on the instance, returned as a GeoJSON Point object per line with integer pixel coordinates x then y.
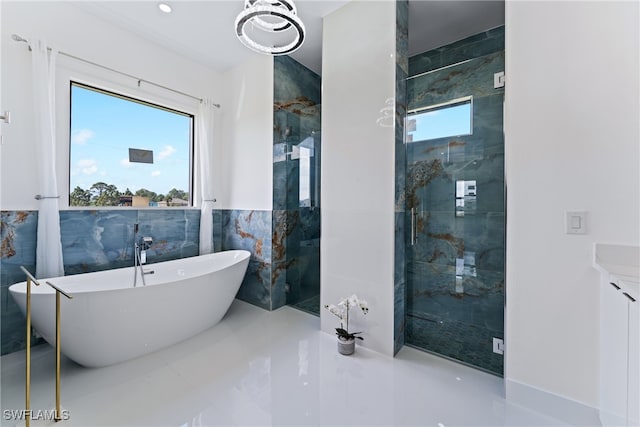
{"type": "Point", "coordinates": [453, 118]}
{"type": "Point", "coordinates": [127, 152]}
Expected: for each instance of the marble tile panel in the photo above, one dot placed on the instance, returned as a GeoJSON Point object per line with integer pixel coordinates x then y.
{"type": "Point", "coordinates": [256, 285]}
{"type": "Point", "coordinates": [438, 291]}
{"type": "Point", "coordinates": [474, 77]}
{"type": "Point", "coordinates": [95, 240]}
{"type": "Point", "coordinates": [308, 265]}
{"type": "Point", "coordinates": [283, 225]}
{"type": "Point", "coordinates": [175, 233]}
{"type": "Point", "coordinates": [445, 338]}
{"type": "Point", "coordinates": [442, 238]}
{"type": "Point", "coordinates": [481, 44]}
{"type": "Point", "coordinates": [18, 248]}
{"type": "Point", "coordinates": [217, 229]}
{"type": "Point", "coordinates": [309, 223]}
{"type": "Point", "coordinates": [432, 185]}
{"type": "Point", "coordinates": [280, 185]}
{"type": "Point", "coordinates": [18, 244]}
{"type": "Point", "coordinates": [399, 315]}
{"type": "Point", "coordinates": [292, 80]}
{"type": "Point", "coordinates": [249, 230]}
{"type": "Point", "coordinates": [279, 275]}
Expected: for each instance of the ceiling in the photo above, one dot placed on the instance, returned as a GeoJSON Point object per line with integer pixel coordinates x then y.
{"type": "Point", "coordinates": [203, 30]}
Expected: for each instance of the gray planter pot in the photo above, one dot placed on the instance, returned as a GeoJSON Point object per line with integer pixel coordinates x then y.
{"type": "Point", "coordinates": [346, 347]}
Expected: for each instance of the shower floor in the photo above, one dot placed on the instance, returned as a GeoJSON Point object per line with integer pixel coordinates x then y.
{"type": "Point", "coordinates": [309, 305]}
{"type": "Point", "coordinates": [470, 344]}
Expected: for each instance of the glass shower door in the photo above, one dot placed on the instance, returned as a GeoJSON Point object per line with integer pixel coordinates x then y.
{"type": "Point", "coordinates": [300, 173]}
{"type": "Point", "coordinates": [455, 207]}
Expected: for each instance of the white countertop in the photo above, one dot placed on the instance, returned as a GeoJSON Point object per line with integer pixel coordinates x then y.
{"type": "Point", "coordinates": [620, 261]}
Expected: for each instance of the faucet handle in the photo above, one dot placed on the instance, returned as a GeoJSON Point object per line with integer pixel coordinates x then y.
{"type": "Point", "coordinates": [146, 242]}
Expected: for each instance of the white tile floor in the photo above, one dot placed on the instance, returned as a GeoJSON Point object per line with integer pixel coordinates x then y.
{"type": "Point", "coordinates": [266, 368]}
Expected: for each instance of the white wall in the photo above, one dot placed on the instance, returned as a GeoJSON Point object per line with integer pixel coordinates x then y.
{"type": "Point", "coordinates": [248, 135]}
{"type": "Point", "coordinates": [357, 190]}
{"type": "Point", "coordinates": [572, 143]}
{"type": "Point", "coordinates": [71, 30]}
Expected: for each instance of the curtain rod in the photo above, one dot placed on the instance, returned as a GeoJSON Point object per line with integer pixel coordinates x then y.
{"type": "Point", "coordinates": [18, 38]}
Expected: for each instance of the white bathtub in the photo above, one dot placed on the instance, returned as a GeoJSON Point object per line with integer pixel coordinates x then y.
{"type": "Point", "coordinates": [109, 321]}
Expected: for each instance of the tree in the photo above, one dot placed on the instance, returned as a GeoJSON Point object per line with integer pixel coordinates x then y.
{"type": "Point", "coordinates": [177, 194]}
{"type": "Point", "coordinates": [104, 194]}
{"type": "Point", "coordinates": [127, 192]}
{"type": "Point", "coordinates": [80, 197]}
{"type": "Point", "coordinates": [143, 192]}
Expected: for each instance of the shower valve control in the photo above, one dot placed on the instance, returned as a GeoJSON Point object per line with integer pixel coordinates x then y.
{"type": "Point", "coordinates": [498, 345]}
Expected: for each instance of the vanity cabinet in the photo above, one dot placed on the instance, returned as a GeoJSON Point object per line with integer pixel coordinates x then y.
{"type": "Point", "coordinates": [633, 397]}
{"type": "Point", "coordinates": [619, 353]}
{"type": "Point", "coordinates": [619, 267]}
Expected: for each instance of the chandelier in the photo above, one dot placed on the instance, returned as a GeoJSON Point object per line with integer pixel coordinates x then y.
{"type": "Point", "coordinates": [277, 17]}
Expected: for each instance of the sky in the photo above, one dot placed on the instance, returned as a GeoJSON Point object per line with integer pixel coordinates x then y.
{"type": "Point", "coordinates": [104, 127]}
{"type": "Point", "coordinates": [439, 123]}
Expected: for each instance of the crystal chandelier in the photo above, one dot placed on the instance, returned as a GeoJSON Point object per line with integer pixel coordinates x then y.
{"type": "Point", "coordinates": [270, 16]}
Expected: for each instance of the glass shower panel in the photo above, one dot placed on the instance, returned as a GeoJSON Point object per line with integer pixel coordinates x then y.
{"type": "Point", "coordinates": [303, 210]}
{"type": "Point", "coordinates": [455, 203]}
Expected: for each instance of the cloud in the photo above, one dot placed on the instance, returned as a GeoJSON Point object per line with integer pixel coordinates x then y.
{"type": "Point", "coordinates": [126, 163]}
{"type": "Point", "coordinates": [81, 136]}
{"type": "Point", "coordinates": [88, 166]}
{"type": "Point", "coordinates": [155, 173]}
{"type": "Point", "coordinates": [166, 152]}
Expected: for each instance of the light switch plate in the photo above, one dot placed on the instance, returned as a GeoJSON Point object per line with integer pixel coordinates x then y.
{"type": "Point", "coordinates": [576, 222]}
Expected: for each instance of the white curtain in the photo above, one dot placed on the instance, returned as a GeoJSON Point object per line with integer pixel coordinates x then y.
{"type": "Point", "coordinates": [49, 247]}
{"type": "Point", "coordinates": [204, 141]}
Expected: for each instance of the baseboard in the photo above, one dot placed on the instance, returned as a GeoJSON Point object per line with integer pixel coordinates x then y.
{"type": "Point", "coordinates": [559, 407]}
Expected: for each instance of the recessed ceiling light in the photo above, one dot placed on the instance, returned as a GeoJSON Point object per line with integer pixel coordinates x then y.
{"type": "Point", "coordinates": [164, 7]}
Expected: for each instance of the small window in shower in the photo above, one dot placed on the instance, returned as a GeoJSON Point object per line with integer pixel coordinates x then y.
{"type": "Point", "coordinates": [450, 119]}
{"type": "Point", "coordinates": [128, 152]}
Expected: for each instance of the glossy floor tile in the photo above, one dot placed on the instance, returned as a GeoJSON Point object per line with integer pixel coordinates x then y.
{"type": "Point", "coordinates": [265, 368]}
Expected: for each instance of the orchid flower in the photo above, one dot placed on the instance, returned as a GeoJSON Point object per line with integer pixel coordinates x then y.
{"type": "Point", "coordinates": [334, 310]}
{"type": "Point", "coordinates": [341, 311]}
{"type": "Point", "coordinates": [363, 306]}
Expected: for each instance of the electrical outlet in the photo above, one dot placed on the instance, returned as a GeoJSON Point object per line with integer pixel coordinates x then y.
{"type": "Point", "coordinates": [498, 345]}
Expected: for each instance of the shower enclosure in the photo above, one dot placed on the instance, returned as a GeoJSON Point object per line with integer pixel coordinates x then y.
{"type": "Point", "coordinates": [303, 242]}
{"type": "Point", "coordinates": [455, 201]}
{"type": "Point", "coordinates": [296, 172]}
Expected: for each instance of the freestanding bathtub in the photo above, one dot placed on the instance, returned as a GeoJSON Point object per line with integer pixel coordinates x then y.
{"type": "Point", "coordinates": [110, 321]}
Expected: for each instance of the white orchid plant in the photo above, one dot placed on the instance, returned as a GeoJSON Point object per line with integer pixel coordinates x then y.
{"type": "Point", "coordinates": [341, 311]}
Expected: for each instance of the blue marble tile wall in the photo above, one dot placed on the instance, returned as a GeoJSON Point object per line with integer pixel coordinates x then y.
{"type": "Point", "coordinates": [251, 230]}
{"type": "Point", "coordinates": [480, 44]}
{"type": "Point", "coordinates": [92, 240]}
{"type": "Point", "coordinates": [400, 264]}
{"type": "Point", "coordinates": [265, 235]}
{"type": "Point", "coordinates": [296, 180]}
{"type": "Point", "coordinates": [18, 232]}
{"type": "Point", "coordinates": [455, 269]}
{"type": "Point", "coordinates": [95, 240]}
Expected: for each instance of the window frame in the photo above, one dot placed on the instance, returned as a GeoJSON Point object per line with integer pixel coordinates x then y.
{"type": "Point", "coordinates": [69, 71]}
{"type": "Point", "coordinates": [191, 150]}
